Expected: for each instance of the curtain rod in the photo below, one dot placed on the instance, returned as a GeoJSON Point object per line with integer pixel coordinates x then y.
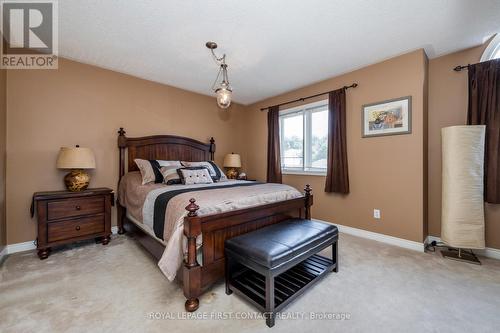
{"type": "Point", "coordinates": [459, 68]}
{"type": "Point", "coordinates": [354, 85]}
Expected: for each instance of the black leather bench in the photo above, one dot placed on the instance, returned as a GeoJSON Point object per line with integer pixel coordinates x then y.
{"type": "Point", "coordinates": [272, 266]}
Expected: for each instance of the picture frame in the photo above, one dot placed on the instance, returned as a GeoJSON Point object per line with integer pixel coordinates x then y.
{"type": "Point", "coordinates": [389, 117]}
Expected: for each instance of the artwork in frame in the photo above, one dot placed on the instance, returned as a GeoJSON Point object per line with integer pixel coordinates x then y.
{"type": "Point", "coordinates": [389, 117]}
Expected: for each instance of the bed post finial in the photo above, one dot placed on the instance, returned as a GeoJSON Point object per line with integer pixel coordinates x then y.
{"type": "Point", "coordinates": [308, 189]}
{"type": "Point", "coordinates": [122, 139]}
{"type": "Point", "coordinates": [192, 208]}
{"type": "Point", "coordinates": [308, 201]}
{"type": "Point", "coordinates": [212, 148]}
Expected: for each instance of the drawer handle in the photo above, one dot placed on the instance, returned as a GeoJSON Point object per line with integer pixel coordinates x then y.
{"type": "Point", "coordinates": [78, 207]}
{"type": "Point", "coordinates": [77, 228]}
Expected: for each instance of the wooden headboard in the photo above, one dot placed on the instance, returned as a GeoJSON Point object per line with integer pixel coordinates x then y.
{"type": "Point", "coordinates": [162, 147]}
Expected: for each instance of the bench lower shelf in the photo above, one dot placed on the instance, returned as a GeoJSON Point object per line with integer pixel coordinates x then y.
{"type": "Point", "coordinates": [287, 285]}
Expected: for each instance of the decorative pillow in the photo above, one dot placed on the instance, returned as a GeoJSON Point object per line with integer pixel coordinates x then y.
{"type": "Point", "coordinates": [170, 175]}
{"type": "Point", "coordinates": [195, 175]}
{"type": "Point", "coordinates": [163, 163]}
{"type": "Point", "coordinates": [150, 169]}
{"type": "Point", "coordinates": [215, 172]}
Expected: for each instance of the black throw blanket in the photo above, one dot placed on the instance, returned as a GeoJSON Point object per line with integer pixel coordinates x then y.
{"type": "Point", "coordinates": [162, 200]}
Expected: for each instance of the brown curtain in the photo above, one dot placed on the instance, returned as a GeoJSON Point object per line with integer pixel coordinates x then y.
{"type": "Point", "coordinates": [337, 175]}
{"type": "Point", "coordinates": [484, 109]}
{"type": "Point", "coordinates": [273, 145]}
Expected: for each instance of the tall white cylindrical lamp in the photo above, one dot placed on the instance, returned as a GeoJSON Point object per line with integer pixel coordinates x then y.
{"type": "Point", "coordinates": [462, 213]}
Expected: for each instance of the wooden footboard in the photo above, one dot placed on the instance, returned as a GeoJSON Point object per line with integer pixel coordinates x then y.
{"type": "Point", "coordinates": [214, 228]}
{"type": "Point", "coordinates": [219, 227]}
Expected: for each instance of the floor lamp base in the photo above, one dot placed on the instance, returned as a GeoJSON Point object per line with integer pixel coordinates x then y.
{"type": "Point", "coordinates": [461, 255]}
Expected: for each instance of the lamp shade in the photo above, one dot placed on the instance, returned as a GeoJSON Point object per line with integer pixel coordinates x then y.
{"type": "Point", "coordinates": [223, 96]}
{"type": "Point", "coordinates": [462, 212]}
{"type": "Point", "coordinates": [232, 161]}
{"type": "Point", "coordinates": [75, 158]}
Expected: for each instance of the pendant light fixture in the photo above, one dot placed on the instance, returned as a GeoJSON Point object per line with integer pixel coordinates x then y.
{"type": "Point", "coordinates": [222, 90]}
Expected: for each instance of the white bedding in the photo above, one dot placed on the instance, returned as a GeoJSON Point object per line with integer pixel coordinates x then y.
{"type": "Point", "coordinates": [210, 201]}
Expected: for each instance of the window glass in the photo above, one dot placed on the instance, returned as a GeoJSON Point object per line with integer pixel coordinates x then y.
{"type": "Point", "coordinates": [304, 138]}
{"type": "Point", "coordinates": [319, 139]}
{"type": "Point", "coordinates": [496, 55]}
{"type": "Point", "coordinates": [492, 51]}
{"type": "Point", "coordinates": [293, 141]}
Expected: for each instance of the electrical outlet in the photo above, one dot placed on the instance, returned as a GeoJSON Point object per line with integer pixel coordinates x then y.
{"type": "Point", "coordinates": [376, 213]}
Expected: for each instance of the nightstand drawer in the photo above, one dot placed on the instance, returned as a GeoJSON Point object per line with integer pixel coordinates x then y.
{"type": "Point", "coordinates": [65, 217]}
{"type": "Point", "coordinates": [75, 207]}
{"type": "Point", "coordinates": [70, 229]}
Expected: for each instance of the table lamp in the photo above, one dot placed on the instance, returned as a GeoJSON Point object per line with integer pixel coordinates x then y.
{"type": "Point", "coordinates": [76, 159]}
{"type": "Point", "coordinates": [232, 162]}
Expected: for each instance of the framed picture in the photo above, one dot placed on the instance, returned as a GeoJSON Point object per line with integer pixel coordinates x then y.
{"type": "Point", "coordinates": [389, 117]}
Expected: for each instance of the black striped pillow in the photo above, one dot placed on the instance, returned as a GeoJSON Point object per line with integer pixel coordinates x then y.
{"type": "Point", "coordinates": [170, 175]}
{"type": "Point", "coordinates": [150, 169]}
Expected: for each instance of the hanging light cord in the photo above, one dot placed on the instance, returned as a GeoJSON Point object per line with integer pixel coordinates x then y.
{"type": "Point", "coordinates": [216, 79]}
{"type": "Point", "coordinates": [225, 77]}
{"type": "Point", "coordinates": [221, 62]}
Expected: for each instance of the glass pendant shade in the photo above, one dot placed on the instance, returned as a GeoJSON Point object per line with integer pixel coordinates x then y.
{"type": "Point", "coordinates": [223, 96]}
{"type": "Point", "coordinates": [222, 90]}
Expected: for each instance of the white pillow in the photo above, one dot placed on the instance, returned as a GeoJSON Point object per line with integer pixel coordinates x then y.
{"type": "Point", "coordinates": [191, 176]}
{"type": "Point", "coordinates": [215, 172]}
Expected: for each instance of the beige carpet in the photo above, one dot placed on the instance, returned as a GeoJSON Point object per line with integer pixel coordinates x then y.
{"type": "Point", "coordinates": [115, 288]}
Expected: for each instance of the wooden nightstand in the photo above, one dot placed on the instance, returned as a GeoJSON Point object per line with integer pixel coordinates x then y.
{"type": "Point", "coordinates": [65, 217]}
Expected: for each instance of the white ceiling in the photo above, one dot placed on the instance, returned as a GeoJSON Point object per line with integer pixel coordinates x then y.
{"type": "Point", "coordinates": [272, 46]}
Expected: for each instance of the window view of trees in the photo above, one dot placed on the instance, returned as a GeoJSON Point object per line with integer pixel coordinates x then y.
{"type": "Point", "coordinates": [305, 151]}
{"type": "Point", "coordinates": [319, 151]}
{"type": "Point", "coordinates": [293, 148]}
{"type": "Point", "coordinates": [292, 154]}
{"type": "Point", "coordinates": [319, 139]}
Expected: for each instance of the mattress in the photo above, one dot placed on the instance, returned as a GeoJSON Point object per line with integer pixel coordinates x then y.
{"type": "Point", "coordinates": [145, 228]}
{"type": "Point", "coordinates": [150, 232]}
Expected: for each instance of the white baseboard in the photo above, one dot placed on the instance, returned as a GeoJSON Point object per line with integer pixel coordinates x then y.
{"type": "Point", "coordinates": [3, 254]}
{"type": "Point", "coordinates": [30, 245]}
{"type": "Point", "coordinates": [405, 243]}
{"type": "Point", "coordinates": [430, 239]}
{"type": "Point", "coordinates": [21, 247]}
{"type": "Point", "coordinates": [488, 252]}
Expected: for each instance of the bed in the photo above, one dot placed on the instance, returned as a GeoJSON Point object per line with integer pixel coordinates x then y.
{"type": "Point", "coordinates": [202, 231]}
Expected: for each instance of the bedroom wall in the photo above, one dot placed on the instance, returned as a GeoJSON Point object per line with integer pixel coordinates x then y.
{"type": "Point", "coordinates": [3, 133]}
{"type": "Point", "coordinates": [387, 173]}
{"type": "Point", "coordinates": [83, 104]}
{"type": "Point", "coordinates": [447, 107]}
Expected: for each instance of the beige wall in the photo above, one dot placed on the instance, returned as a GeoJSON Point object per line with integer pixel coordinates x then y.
{"type": "Point", "coordinates": [3, 121]}
{"type": "Point", "coordinates": [385, 172]}
{"type": "Point", "coordinates": [81, 104]}
{"type": "Point", "coordinates": [447, 107]}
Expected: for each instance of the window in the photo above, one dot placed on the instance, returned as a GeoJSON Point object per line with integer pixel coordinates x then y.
{"type": "Point", "coordinates": [304, 139]}
{"type": "Point", "coordinates": [493, 49]}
